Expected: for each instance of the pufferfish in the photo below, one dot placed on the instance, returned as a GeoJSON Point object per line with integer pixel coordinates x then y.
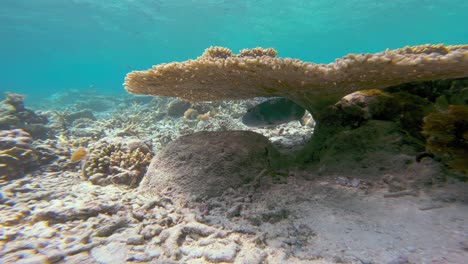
{"type": "Point", "coordinates": [273, 112]}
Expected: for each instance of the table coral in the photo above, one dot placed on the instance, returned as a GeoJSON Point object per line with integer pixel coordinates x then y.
{"type": "Point", "coordinates": [414, 76]}
{"type": "Point", "coordinates": [221, 75]}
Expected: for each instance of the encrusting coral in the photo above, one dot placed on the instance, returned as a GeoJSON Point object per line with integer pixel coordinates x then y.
{"type": "Point", "coordinates": [220, 75]}
{"type": "Point", "coordinates": [117, 160]}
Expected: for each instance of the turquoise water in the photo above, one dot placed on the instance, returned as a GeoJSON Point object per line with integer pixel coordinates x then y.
{"type": "Point", "coordinates": [48, 46]}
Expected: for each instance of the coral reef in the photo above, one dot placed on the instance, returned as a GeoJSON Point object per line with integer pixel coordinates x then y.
{"type": "Point", "coordinates": [205, 164]}
{"type": "Point", "coordinates": [406, 85]}
{"type": "Point", "coordinates": [13, 114]}
{"type": "Point", "coordinates": [117, 160]}
{"type": "Point", "coordinates": [221, 75]}
{"type": "Point", "coordinates": [17, 154]}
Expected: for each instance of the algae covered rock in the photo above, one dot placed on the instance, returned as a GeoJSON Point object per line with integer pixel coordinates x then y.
{"type": "Point", "coordinates": [117, 160]}
{"type": "Point", "coordinates": [369, 132]}
{"type": "Point", "coordinates": [372, 149]}
{"type": "Point", "coordinates": [373, 132]}
{"type": "Point", "coordinates": [205, 164]}
{"type": "Point", "coordinates": [447, 136]}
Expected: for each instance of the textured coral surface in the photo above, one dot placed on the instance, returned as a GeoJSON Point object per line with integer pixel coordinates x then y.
{"type": "Point", "coordinates": [220, 75]}
{"type": "Point", "coordinates": [117, 160]}
{"type": "Point", "coordinates": [16, 153]}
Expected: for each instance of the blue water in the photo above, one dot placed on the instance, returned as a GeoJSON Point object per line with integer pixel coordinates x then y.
{"type": "Point", "coordinates": [48, 46]}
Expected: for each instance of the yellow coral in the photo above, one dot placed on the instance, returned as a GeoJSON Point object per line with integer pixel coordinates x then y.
{"type": "Point", "coordinates": [190, 114]}
{"type": "Point", "coordinates": [204, 117]}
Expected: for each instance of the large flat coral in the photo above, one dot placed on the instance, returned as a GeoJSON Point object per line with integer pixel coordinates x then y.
{"type": "Point", "coordinates": [221, 75]}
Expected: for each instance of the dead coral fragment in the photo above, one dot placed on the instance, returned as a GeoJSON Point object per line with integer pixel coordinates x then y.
{"type": "Point", "coordinates": [447, 136]}
{"type": "Point", "coordinates": [218, 76]}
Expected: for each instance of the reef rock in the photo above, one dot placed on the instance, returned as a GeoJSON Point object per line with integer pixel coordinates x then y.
{"type": "Point", "coordinates": [205, 164]}
{"type": "Point", "coordinates": [117, 160]}
{"type": "Point", "coordinates": [17, 154]}
{"type": "Point", "coordinates": [14, 115]}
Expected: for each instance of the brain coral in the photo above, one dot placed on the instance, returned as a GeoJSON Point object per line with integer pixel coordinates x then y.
{"type": "Point", "coordinates": [117, 160]}
{"type": "Point", "coordinates": [221, 75]}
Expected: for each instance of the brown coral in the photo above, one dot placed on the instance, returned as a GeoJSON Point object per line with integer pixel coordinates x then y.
{"type": "Point", "coordinates": [17, 155]}
{"type": "Point", "coordinates": [117, 160]}
{"type": "Point", "coordinates": [217, 76]}
{"type": "Point", "coordinates": [258, 52]}
{"type": "Point", "coordinates": [14, 115]}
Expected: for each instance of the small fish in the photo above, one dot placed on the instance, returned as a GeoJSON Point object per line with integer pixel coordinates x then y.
{"type": "Point", "coordinates": [79, 154]}
{"type": "Point", "coordinates": [272, 113]}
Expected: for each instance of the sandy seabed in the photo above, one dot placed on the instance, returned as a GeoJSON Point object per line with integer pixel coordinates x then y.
{"type": "Point", "coordinates": [58, 218]}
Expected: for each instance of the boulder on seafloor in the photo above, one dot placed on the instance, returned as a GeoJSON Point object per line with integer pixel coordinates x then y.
{"type": "Point", "coordinates": [117, 160]}
{"type": "Point", "coordinates": [17, 154]}
{"type": "Point", "coordinates": [205, 164]}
